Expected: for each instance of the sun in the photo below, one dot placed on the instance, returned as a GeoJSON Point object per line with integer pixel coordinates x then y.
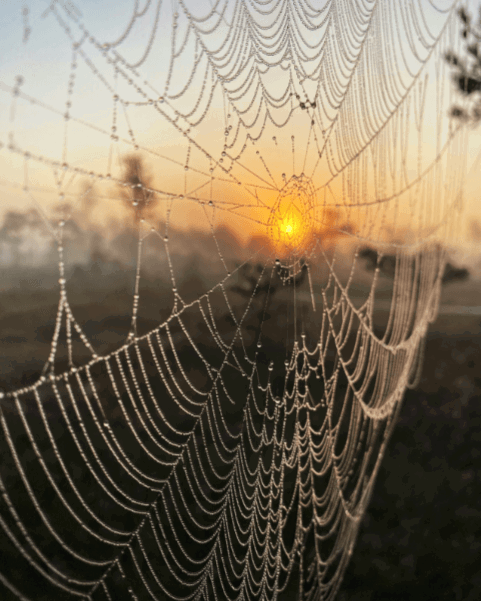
{"type": "Point", "coordinates": [289, 227]}
{"type": "Point", "coordinates": [291, 222]}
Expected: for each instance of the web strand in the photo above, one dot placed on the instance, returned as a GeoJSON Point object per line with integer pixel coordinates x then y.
{"type": "Point", "coordinates": [246, 160]}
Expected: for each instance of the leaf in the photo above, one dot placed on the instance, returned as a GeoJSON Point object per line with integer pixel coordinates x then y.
{"type": "Point", "coordinates": [473, 49]}
{"type": "Point", "coordinates": [458, 112]}
{"type": "Point", "coordinates": [468, 85]}
{"type": "Point", "coordinates": [463, 15]}
{"type": "Point", "coordinates": [451, 58]}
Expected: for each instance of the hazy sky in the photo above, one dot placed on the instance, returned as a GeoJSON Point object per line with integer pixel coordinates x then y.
{"type": "Point", "coordinates": [33, 45]}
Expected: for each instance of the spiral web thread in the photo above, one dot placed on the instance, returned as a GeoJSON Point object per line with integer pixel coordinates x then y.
{"type": "Point", "coordinates": [233, 472]}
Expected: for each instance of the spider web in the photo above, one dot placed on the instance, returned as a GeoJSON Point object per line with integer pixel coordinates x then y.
{"type": "Point", "coordinates": [229, 451]}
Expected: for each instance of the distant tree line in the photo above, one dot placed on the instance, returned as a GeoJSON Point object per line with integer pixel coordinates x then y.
{"type": "Point", "coordinates": [387, 266]}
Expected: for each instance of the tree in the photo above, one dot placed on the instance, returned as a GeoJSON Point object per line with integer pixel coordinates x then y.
{"type": "Point", "coordinates": [467, 75]}
{"type": "Point", "coordinates": [387, 266]}
{"type": "Point", "coordinates": [136, 192]}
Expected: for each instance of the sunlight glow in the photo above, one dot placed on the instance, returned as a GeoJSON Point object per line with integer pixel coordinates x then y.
{"type": "Point", "coordinates": [291, 222]}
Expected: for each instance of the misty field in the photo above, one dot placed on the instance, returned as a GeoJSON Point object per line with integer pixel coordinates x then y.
{"type": "Point", "coordinates": [421, 537]}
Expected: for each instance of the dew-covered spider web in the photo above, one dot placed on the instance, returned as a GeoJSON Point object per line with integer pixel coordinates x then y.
{"type": "Point", "coordinates": [242, 161]}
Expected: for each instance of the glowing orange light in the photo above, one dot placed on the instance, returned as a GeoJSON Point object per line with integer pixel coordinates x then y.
{"type": "Point", "coordinates": [290, 224]}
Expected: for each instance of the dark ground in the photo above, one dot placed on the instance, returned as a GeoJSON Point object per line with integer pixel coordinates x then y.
{"type": "Point", "coordinates": [421, 537]}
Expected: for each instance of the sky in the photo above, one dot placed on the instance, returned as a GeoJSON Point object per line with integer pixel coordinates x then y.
{"type": "Point", "coordinates": [34, 46]}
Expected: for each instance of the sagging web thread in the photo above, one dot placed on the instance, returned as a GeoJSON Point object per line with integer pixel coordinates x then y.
{"type": "Point", "coordinates": [235, 472]}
